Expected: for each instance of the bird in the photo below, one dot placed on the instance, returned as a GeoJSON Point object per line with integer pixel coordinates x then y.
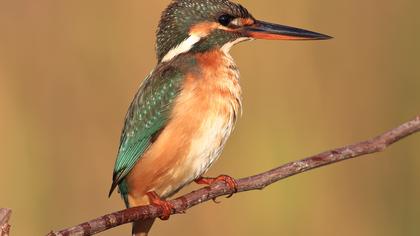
{"type": "Point", "coordinates": [186, 108]}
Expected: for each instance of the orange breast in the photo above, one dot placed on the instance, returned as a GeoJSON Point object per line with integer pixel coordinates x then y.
{"type": "Point", "coordinates": [202, 119]}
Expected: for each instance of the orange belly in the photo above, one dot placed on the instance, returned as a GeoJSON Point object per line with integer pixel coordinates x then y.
{"type": "Point", "coordinates": [201, 121]}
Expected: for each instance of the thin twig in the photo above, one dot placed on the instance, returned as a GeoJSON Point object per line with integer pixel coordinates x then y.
{"type": "Point", "coordinates": [4, 221]}
{"type": "Point", "coordinates": [259, 181]}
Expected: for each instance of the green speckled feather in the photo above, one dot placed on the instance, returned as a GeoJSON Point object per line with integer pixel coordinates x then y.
{"type": "Point", "coordinates": [148, 114]}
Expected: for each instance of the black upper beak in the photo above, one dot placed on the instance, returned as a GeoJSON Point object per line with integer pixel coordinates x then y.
{"type": "Point", "coordinates": [264, 30]}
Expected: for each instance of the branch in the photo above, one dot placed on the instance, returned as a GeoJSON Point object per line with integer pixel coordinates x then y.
{"type": "Point", "coordinates": [255, 182]}
{"type": "Point", "coordinates": [4, 221]}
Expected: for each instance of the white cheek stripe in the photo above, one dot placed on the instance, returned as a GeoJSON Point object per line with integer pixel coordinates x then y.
{"type": "Point", "coordinates": [183, 47]}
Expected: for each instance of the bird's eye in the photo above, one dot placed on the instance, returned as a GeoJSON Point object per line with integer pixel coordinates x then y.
{"type": "Point", "coordinates": [226, 19]}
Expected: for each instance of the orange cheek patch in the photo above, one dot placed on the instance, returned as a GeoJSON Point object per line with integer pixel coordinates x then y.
{"type": "Point", "coordinates": [203, 29]}
{"type": "Point", "coordinates": [247, 21]}
{"type": "Point", "coordinates": [210, 60]}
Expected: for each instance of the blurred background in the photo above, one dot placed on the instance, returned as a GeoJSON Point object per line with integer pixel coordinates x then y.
{"type": "Point", "coordinates": [69, 69]}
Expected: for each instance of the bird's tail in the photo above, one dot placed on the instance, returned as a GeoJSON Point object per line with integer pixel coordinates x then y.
{"type": "Point", "coordinates": [142, 228]}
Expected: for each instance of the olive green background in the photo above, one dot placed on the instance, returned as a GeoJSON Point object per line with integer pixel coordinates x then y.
{"type": "Point", "coordinates": [69, 69]}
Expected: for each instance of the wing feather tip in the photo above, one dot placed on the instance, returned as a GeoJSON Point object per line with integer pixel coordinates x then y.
{"type": "Point", "coordinates": [116, 179]}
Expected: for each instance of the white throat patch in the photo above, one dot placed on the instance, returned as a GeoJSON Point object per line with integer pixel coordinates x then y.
{"type": "Point", "coordinates": [183, 47]}
{"type": "Point", "coordinates": [226, 48]}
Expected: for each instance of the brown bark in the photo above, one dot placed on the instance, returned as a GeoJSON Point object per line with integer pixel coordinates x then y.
{"type": "Point", "coordinates": [259, 181]}
{"type": "Point", "coordinates": [4, 221]}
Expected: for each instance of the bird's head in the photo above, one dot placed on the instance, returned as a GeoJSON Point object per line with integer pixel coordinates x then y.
{"type": "Point", "coordinates": [201, 25]}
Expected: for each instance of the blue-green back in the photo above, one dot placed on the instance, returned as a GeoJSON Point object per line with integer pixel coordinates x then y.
{"type": "Point", "coordinates": [146, 117]}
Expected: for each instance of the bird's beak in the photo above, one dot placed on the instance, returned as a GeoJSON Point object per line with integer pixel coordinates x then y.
{"type": "Point", "coordinates": [264, 30]}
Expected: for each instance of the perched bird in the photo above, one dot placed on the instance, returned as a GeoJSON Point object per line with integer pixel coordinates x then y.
{"type": "Point", "coordinates": [185, 110]}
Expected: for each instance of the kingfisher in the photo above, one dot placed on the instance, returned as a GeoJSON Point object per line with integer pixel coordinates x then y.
{"type": "Point", "coordinates": [186, 108]}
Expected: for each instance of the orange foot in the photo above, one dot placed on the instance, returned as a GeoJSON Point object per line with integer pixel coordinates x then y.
{"type": "Point", "coordinates": [229, 181]}
{"type": "Point", "coordinates": [165, 205]}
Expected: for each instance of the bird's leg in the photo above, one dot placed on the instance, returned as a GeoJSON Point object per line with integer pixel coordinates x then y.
{"type": "Point", "coordinates": [165, 205]}
{"type": "Point", "coordinates": [229, 181]}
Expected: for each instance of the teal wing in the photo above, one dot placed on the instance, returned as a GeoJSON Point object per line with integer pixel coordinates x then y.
{"type": "Point", "coordinates": [148, 114]}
